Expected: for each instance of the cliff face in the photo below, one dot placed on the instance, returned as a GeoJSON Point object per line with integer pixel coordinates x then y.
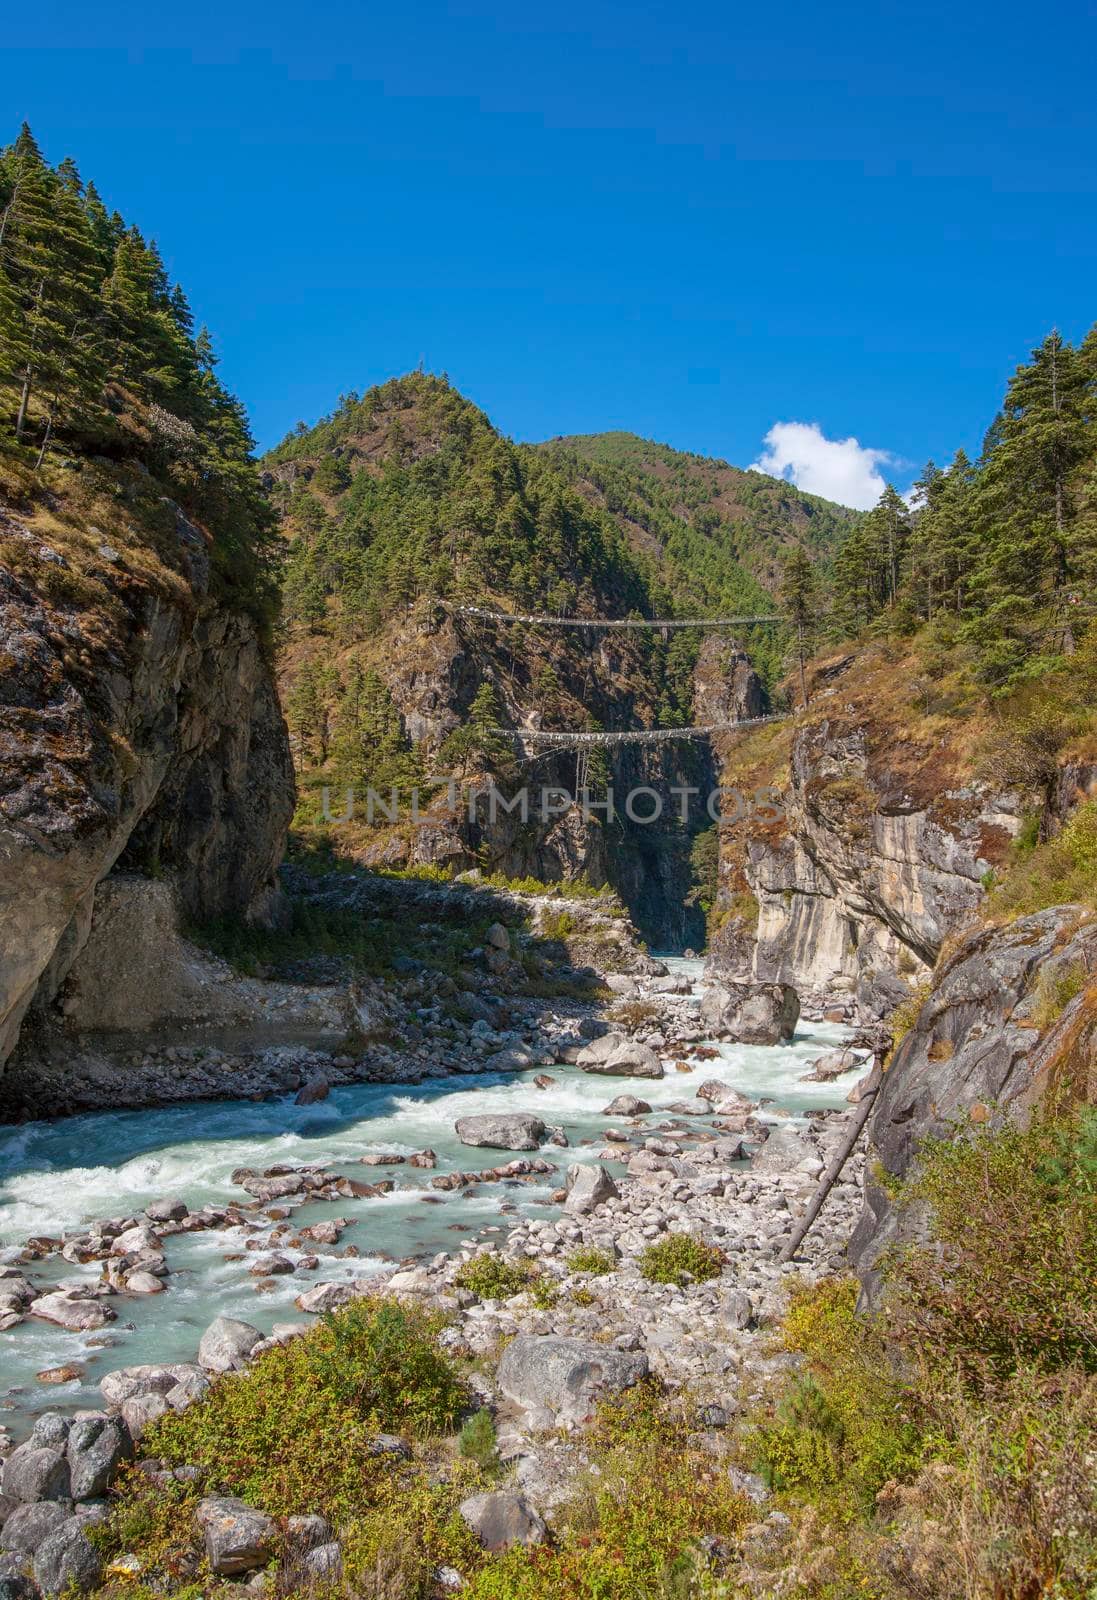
{"type": "Point", "coordinates": [138, 724]}
{"type": "Point", "coordinates": [881, 851]}
{"type": "Point", "coordinates": [1010, 1022]}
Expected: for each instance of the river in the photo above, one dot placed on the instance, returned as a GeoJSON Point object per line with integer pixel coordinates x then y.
{"type": "Point", "coordinates": [57, 1176]}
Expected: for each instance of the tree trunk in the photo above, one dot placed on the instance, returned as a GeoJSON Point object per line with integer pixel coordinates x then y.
{"type": "Point", "coordinates": [24, 401]}
{"type": "Point", "coordinates": [829, 1177]}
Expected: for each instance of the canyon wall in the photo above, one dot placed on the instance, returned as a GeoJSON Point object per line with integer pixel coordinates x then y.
{"type": "Point", "coordinates": [139, 725]}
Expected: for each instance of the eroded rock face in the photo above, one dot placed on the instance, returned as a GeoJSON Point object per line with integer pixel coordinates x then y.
{"type": "Point", "coordinates": [159, 737]}
{"type": "Point", "coordinates": [877, 852]}
{"type": "Point", "coordinates": [977, 1054]}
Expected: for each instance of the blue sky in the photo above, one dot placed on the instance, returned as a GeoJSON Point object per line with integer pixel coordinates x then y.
{"type": "Point", "coordinates": [692, 221]}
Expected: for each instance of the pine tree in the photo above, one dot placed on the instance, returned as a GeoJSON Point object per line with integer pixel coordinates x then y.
{"type": "Point", "coordinates": [798, 598]}
{"type": "Point", "coordinates": [479, 740]}
{"type": "Point", "coordinates": [49, 307]}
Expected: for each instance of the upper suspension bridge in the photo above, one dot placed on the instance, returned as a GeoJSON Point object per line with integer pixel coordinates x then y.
{"type": "Point", "coordinates": [607, 623]}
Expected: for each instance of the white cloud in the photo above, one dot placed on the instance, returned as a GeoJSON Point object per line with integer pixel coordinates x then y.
{"type": "Point", "coordinates": [838, 469]}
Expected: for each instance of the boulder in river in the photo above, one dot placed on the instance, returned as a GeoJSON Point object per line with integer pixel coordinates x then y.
{"type": "Point", "coordinates": [74, 1309]}
{"type": "Point", "coordinates": [616, 1056]}
{"type": "Point", "coordinates": [626, 1105]}
{"type": "Point", "coordinates": [759, 1013]}
{"type": "Point", "coordinates": [566, 1377]}
{"type": "Point", "coordinates": [514, 1130]}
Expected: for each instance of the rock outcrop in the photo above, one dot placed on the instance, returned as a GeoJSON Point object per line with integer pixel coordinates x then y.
{"type": "Point", "coordinates": [140, 727]}
{"type": "Point", "coordinates": [878, 850]}
{"type": "Point", "coordinates": [996, 1035]}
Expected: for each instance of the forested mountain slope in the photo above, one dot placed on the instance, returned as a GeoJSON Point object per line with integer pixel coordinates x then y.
{"type": "Point", "coordinates": [720, 533]}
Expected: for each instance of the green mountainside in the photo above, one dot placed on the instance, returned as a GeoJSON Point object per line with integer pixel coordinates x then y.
{"type": "Point", "coordinates": [720, 532]}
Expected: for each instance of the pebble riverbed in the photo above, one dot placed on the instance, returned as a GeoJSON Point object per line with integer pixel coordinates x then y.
{"type": "Point", "coordinates": [56, 1178]}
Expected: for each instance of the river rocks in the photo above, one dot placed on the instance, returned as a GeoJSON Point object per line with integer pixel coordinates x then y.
{"type": "Point", "coordinates": [626, 1105]}
{"type": "Point", "coordinates": [565, 1376]}
{"type": "Point", "coordinates": [144, 1283]}
{"type": "Point", "coordinates": [74, 1309]}
{"type": "Point", "coordinates": [502, 1131]}
{"type": "Point", "coordinates": [751, 1013]}
{"type": "Point", "coordinates": [325, 1297]}
{"type": "Point", "coordinates": [30, 1523]}
{"type": "Point", "coordinates": [36, 1472]}
{"type": "Point", "coordinates": [226, 1345]}
{"type": "Point", "coordinates": [831, 1065]}
{"type": "Point", "coordinates": [588, 1188]}
{"type": "Point", "coordinates": [140, 1412]}
{"type": "Point", "coordinates": [128, 1383]}
{"type": "Point", "coordinates": [96, 1447]}
{"type": "Point", "coordinates": [237, 1537]}
{"type": "Point", "coordinates": [502, 1519]}
{"type": "Point", "coordinates": [785, 1151]}
{"type": "Point", "coordinates": [316, 1089]}
{"type": "Point", "coordinates": [617, 1056]}
{"type": "Point", "coordinates": [169, 1209]}
{"type": "Point", "coordinates": [67, 1562]}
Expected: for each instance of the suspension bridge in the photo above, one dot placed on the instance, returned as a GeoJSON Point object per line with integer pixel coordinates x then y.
{"type": "Point", "coordinates": [580, 741]}
{"type": "Point", "coordinates": [605, 624]}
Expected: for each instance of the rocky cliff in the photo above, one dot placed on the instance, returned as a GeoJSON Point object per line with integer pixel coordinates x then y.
{"type": "Point", "coordinates": [139, 725]}
{"type": "Point", "coordinates": [885, 838]}
{"type": "Point", "coordinates": [1010, 1023]}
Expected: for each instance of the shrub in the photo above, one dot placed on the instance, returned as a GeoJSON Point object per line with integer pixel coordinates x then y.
{"type": "Point", "coordinates": [1008, 1276]}
{"type": "Point", "coordinates": [588, 1258]}
{"type": "Point", "coordinates": [635, 1014]}
{"type": "Point", "coordinates": [842, 1422]}
{"type": "Point", "coordinates": [678, 1257]}
{"type": "Point", "coordinates": [477, 1441]}
{"type": "Point", "coordinates": [1059, 872]}
{"type": "Point", "coordinates": [1055, 989]}
{"type": "Point", "coordinates": [634, 1525]}
{"type": "Point", "coordinates": [489, 1277]}
{"type": "Point", "coordinates": [382, 1359]}
{"type": "Point", "coordinates": [292, 1434]}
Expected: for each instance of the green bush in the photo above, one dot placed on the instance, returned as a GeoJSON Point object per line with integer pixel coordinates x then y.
{"type": "Point", "coordinates": [292, 1433]}
{"type": "Point", "coordinates": [489, 1277]}
{"type": "Point", "coordinates": [381, 1358]}
{"type": "Point", "coordinates": [1008, 1276]}
{"type": "Point", "coordinates": [678, 1257]}
{"type": "Point", "coordinates": [1062, 871]}
{"type": "Point", "coordinates": [588, 1258]}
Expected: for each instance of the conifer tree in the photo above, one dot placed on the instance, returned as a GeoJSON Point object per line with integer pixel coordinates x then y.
{"type": "Point", "coordinates": [798, 597]}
